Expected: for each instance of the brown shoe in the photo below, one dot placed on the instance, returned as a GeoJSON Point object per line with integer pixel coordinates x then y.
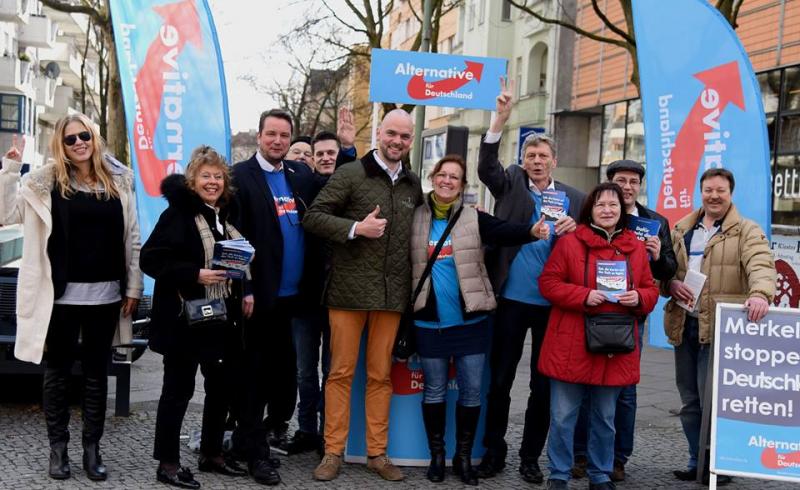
{"type": "Point", "coordinates": [579, 467]}
{"type": "Point", "coordinates": [328, 468]}
{"type": "Point", "coordinates": [383, 466]}
{"type": "Point", "coordinates": [619, 471]}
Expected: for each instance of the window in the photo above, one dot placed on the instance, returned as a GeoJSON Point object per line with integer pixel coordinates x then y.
{"type": "Point", "coordinates": [12, 113]}
{"type": "Point", "coordinates": [537, 69]}
{"type": "Point", "coordinates": [783, 130]}
{"type": "Point", "coordinates": [519, 78]}
{"type": "Point", "coordinates": [505, 14]}
{"type": "Point", "coordinates": [613, 142]}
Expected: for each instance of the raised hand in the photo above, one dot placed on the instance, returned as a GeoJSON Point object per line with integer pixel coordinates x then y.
{"type": "Point", "coordinates": [371, 226]}
{"type": "Point", "coordinates": [345, 128]}
{"type": "Point", "coordinates": [17, 148]}
{"type": "Point", "coordinates": [540, 229]}
{"type": "Point", "coordinates": [503, 105]}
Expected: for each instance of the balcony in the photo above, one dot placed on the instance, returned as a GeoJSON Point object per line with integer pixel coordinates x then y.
{"type": "Point", "coordinates": [68, 59]}
{"type": "Point", "coordinates": [16, 76]}
{"type": "Point", "coordinates": [14, 11]}
{"type": "Point", "coordinates": [45, 90]}
{"type": "Point", "coordinates": [63, 104]}
{"type": "Point", "coordinates": [531, 109]}
{"type": "Point", "coordinates": [39, 32]}
{"type": "Point", "coordinates": [71, 25]}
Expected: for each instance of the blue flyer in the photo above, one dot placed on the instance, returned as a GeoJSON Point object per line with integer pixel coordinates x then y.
{"type": "Point", "coordinates": [554, 204]}
{"type": "Point", "coordinates": [643, 227]}
{"type": "Point", "coordinates": [612, 278]}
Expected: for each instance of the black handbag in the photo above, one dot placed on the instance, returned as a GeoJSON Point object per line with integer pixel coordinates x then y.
{"type": "Point", "coordinates": [405, 342]}
{"type": "Point", "coordinates": [205, 312]}
{"type": "Point", "coordinates": [609, 333]}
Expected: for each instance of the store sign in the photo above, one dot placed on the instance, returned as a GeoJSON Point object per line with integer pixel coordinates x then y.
{"type": "Point", "coordinates": [786, 250]}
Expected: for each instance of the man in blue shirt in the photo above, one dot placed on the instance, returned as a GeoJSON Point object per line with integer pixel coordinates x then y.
{"type": "Point", "coordinates": [272, 196]}
{"type": "Point", "coordinates": [514, 272]}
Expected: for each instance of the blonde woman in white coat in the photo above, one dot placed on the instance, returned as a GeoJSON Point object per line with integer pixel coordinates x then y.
{"type": "Point", "coordinates": [79, 275]}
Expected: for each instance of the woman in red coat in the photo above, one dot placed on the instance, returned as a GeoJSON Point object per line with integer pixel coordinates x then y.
{"type": "Point", "coordinates": [570, 284]}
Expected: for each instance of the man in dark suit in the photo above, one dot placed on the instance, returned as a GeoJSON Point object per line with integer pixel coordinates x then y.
{"type": "Point", "coordinates": [514, 272]}
{"type": "Point", "coordinates": [272, 195]}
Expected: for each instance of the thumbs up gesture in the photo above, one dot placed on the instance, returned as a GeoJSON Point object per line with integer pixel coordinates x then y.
{"type": "Point", "coordinates": [371, 226]}
{"type": "Point", "coordinates": [540, 229]}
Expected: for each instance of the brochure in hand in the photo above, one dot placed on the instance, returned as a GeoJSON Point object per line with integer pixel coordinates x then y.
{"type": "Point", "coordinates": [233, 256]}
{"type": "Point", "coordinates": [694, 280]}
{"type": "Point", "coordinates": [643, 227]}
{"type": "Point", "coordinates": [554, 204]}
{"type": "Point", "coordinates": [612, 278]}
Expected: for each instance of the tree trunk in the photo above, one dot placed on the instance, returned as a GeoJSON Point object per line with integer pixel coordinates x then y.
{"type": "Point", "coordinates": [117, 130]}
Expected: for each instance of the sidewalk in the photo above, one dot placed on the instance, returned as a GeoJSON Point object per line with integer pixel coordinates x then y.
{"type": "Point", "coordinates": [127, 445]}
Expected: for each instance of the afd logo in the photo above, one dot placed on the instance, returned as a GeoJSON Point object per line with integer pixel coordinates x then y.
{"type": "Point", "coordinates": [408, 379]}
{"type": "Point", "coordinates": [450, 79]}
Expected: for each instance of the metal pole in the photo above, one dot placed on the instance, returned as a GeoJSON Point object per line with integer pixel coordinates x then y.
{"type": "Point", "coordinates": [419, 123]}
{"type": "Point", "coordinates": [376, 108]}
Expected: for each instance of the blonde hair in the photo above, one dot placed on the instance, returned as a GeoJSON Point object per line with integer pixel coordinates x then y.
{"type": "Point", "coordinates": [206, 155]}
{"type": "Point", "coordinates": [64, 167]}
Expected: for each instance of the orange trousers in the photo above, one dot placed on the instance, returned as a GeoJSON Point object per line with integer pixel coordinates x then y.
{"type": "Point", "coordinates": [346, 329]}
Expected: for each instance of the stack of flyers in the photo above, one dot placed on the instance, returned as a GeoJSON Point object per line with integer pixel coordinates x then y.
{"type": "Point", "coordinates": [643, 227]}
{"type": "Point", "coordinates": [695, 281]}
{"type": "Point", "coordinates": [233, 256]}
{"type": "Point", "coordinates": [612, 278]}
{"type": "Point", "coordinates": [554, 204]}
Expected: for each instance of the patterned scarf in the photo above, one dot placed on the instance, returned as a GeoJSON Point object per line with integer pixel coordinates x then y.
{"type": "Point", "coordinates": [221, 289]}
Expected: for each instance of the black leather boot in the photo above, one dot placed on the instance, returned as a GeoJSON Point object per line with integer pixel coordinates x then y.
{"type": "Point", "coordinates": [434, 415]}
{"type": "Point", "coordinates": [94, 418]}
{"type": "Point", "coordinates": [466, 425]}
{"type": "Point", "coordinates": [56, 414]}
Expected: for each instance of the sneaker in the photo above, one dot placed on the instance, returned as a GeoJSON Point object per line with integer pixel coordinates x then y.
{"type": "Point", "coordinates": [383, 466]}
{"type": "Point", "coordinates": [618, 473]}
{"type": "Point", "coordinates": [328, 468]}
{"type": "Point", "coordinates": [553, 484]}
{"type": "Point", "coordinates": [531, 472]}
{"type": "Point", "coordinates": [302, 442]}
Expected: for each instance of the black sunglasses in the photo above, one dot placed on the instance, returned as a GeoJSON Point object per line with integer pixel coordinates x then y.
{"type": "Point", "coordinates": [71, 139]}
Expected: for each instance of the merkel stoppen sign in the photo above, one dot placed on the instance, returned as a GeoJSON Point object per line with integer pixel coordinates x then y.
{"type": "Point", "coordinates": [756, 404]}
{"type": "Point", "coordinates": [410, 77]}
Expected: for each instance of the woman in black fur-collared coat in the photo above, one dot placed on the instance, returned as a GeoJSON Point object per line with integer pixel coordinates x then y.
{"type": "Point", "coordinates": [177, 255]}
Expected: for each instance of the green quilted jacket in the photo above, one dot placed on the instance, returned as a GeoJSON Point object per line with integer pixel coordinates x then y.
{"type": "Point", "coordinates": [366, 274]}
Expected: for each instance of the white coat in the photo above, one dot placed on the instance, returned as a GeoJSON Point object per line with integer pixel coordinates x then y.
{"type": "Point", "coordinates": [30, 203]}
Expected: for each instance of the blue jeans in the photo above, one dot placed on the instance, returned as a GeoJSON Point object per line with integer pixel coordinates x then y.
{"type": "Point", "coordinates": [624, 418]}
{"type": "Point", "coordinates": [565, 403]}
{"type": "Point", "coordinates": [691, 368]}
{"type": "Point", "coordinates": [307, 330]}
{"type": "Point", "coordinates": [469, 374]}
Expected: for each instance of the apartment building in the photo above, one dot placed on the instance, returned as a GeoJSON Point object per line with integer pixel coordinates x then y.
{"type": "Point", "coordinates": [45, 56]}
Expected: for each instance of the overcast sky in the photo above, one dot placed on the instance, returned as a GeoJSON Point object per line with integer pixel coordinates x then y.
{"type": "Point", "coordinates": [248, 33]}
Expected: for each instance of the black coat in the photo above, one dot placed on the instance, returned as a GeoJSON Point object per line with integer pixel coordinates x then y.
{"type": "Point", "coordinates": [664, 268]}
{"type": "Point", "coordinates": [173, 256]}
{"type": "Point", "coordinates": [258, 222]}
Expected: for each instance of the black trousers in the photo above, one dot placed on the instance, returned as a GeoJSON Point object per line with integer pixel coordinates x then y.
{"type": "Point", "coordinates": [95, 325]}
{"type": "Point", "coordinates": [180, 369]}
{"type": "Point", "coordinates": [271, 371]}
{"type": "Point", "coordinates": [512, 321]}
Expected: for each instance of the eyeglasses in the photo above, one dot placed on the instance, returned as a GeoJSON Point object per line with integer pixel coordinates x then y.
{"type": "Point", "coordinates": [71, 139]}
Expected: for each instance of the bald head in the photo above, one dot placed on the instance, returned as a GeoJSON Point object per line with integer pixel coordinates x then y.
{"type": "Point", "coordinates": [395, 135]}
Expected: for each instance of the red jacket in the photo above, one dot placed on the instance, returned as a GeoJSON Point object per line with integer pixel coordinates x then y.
{"type": "Point", "coordinates": [564, 356]}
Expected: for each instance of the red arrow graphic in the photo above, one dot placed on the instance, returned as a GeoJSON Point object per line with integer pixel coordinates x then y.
{"type": "Point", "coordinates": [774, 461]}
{"type": "Point", "coordinates": [417, 85]}
{"type": "Point", "coordinates": [676, 197]}
{"type": "Point", "coordinates": [181, 25]}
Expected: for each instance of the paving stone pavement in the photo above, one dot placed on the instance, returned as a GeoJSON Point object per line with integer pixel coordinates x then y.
{"type": "Point", "coordinates": [127, 444]}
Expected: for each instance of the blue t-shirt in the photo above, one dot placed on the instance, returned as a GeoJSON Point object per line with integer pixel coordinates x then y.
{"type": "Point", "coordinates": [523, 276]}
{"type": "Point", "coordinates": [445, 283]}
{"type": "Point", "coordinates": [291, 231]}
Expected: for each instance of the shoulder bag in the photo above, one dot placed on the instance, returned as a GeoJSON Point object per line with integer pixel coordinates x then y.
{"type": "Point", "coordinates": [404, 343]}
{"type": "Point", "coordinates": [609, 333]}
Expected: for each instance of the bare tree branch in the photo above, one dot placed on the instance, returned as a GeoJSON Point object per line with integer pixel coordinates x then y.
{"type": "Point", "coordinates": [616, 30]}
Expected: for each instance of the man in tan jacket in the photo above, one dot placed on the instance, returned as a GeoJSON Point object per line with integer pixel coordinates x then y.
{"type": "Point", "coordinates": [734, 255]}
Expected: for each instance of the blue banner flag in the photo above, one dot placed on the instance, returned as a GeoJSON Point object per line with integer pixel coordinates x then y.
{"type": "Point", "coordinates": [173, 86]}
{"type": "Point", "coordinates": [755, 421]}
{"type": "Point", "coordinates": [411, 77]}
{"type": "Point", "coordinates": [702, 109]}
